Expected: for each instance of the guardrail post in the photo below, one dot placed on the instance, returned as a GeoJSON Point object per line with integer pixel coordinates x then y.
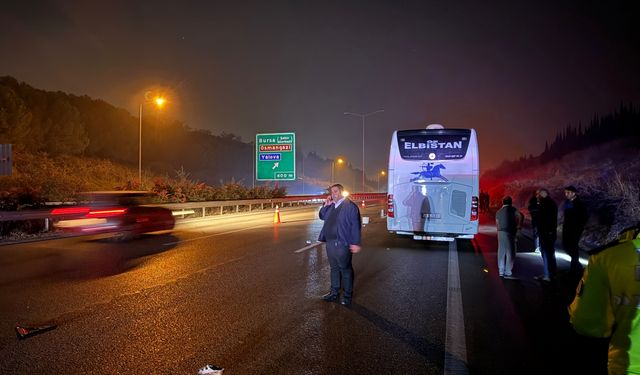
{"type": "Point", "coordinates": [221, 210]}
{"type": "Point", "coordinates": [204, 211]}
{"type": "Point", "coordinates": [237, 208]}
{"type": "Point", "coordinates": [46, 224]}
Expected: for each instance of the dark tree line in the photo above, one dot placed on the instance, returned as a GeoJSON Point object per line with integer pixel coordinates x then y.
{"type": "Point", "coordinates": [58, 123]}
{"type": "Point", "coordinates": [621, 124]}
{"type": "Point", "coordinates": [61, 124]}
{"type": "Point", "coordinates": [624, 123]}
{"type": "Point", "coordinates": [40, 121]}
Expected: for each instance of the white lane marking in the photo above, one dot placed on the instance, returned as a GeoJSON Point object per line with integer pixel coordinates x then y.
{"type": "Point", "coordinates": [308, 247]}
{"type": "Point", "coordinates": [213, 235]}
{"type": "Point", "coordinates": [455, 357]}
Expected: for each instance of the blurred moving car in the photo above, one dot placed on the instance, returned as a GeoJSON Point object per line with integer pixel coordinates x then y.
{"type": "Point", "coordinates": [125, 214]}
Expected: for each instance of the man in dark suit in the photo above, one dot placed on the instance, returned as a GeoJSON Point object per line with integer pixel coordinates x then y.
{"type": "Point", "coordinates": [341, 233]}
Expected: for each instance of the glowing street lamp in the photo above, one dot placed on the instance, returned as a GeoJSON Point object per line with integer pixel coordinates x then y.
{"type": "Point", "coordinates": [159, 101]}
{"type": "Point", "coordinates": [333, 167]}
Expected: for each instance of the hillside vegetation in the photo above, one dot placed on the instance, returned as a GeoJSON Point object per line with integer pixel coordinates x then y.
{"type": "Point", "coordinates": [59, 124]}
{"type": "Point", "coordinates": [602, 161]}
{"type": "Point", "coordinates": [39, 178]}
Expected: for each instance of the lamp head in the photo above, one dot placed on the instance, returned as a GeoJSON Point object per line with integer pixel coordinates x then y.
{"type": "Point", "coordinates": [160, 101]}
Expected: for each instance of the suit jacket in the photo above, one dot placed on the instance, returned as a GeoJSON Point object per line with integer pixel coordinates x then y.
{"type": "Point", "coordinates": [547, 218]}
{"type": "Point", "coordinates": [575, 217]}
{"type": "Point", "coordinates": [348, 222]}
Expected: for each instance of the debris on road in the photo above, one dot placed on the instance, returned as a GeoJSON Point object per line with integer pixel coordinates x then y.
{"type": "Point", "coordinates": [24, 332]}
{"type": "Point", "coordinates": [210, 370]}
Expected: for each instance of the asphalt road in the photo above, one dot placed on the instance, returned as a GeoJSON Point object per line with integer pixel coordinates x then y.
{"type": "Point", "coordinates": [243, 293]}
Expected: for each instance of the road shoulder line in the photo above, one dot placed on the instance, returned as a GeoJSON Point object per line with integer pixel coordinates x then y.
{"type": "Point", "coordinates": [455, 357]}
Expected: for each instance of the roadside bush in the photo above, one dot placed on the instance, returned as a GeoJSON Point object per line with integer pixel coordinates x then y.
{"type": "Point", "coordinates": [16, 198]}
{"type": "Point", "coordinates": [232, 191]}
{"type": "Point", "coordinates": [38, 178]}
{"type": "Point", "coordinates": [614, 204]}
{"type": "Point", "coordinates": [610, 190]}
{"type": "Point", "coordinates": [182, 190]}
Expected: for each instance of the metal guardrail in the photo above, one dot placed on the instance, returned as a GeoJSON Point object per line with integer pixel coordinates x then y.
{"type": "Point", "coordinates": [206, 208]}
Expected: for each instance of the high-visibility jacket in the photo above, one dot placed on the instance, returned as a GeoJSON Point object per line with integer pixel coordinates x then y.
{"type": "Point", "coordinates": [607, 303]}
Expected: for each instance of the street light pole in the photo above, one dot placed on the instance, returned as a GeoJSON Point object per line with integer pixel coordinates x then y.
{"type": "Point", "coordinates": [333, 167]}
{"type": "Point", "coordinates": [159, 100]}
{"type": "Point", "coordinates": [140, 149]}
{"type": "Point", "coordinates": [302, 173]}
{"type": "Point", "coordinates": [363, 116]}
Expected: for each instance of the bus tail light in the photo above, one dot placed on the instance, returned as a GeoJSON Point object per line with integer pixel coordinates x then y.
{"type": "Point", "coordinates": [474, 208]}
{"type": "Point", "coordinates": [390, 205]}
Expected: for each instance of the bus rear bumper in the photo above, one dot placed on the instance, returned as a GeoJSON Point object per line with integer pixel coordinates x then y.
{"type": "Point", "coordinates": [444, 237]}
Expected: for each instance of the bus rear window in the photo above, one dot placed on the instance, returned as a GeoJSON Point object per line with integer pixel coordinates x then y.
{"type": "Point", "coordinates": [443, 144]}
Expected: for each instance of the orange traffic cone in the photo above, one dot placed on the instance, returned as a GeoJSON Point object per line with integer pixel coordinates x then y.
{"type": "Point", "coordinates": [276, 215]}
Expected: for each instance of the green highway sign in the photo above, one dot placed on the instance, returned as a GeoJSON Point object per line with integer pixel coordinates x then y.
{"type": "Point", "coordinates": [276, 157]}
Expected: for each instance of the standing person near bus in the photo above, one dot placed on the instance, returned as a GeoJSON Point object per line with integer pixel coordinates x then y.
{"type": "Point", "coordinates": [547, 233]}
{"type": "Point", "coordinates": [607, 302]}
{"type": "Point", "coordinates": [508, 223]}
{"type": "Point", "coordinates": [341, 233]}
{"type": "Point", "coordinates": [487, 201]}
{"type": "Point", "coordinates": [532, 207]}
{"type": "Point", "coordinates": [575, 218]}
{"type": "Point", "coordinates": [414, 203]}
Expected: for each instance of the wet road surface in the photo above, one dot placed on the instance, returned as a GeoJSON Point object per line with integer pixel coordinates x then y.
{"type": "Point", "coordinates": [243, 293]}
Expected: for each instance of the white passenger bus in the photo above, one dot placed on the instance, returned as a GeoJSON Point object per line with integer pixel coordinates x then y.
{"type": "Point", "coordinates": [433, 183]}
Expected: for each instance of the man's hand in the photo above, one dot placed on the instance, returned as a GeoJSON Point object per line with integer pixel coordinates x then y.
{"type": "Point", "coordinates": [328, 201]}
{"type": "Point", "coordinates": [354, 248]}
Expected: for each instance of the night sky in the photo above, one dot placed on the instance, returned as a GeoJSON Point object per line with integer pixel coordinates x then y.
{"type": "Point", "coordinates": [515, 72]}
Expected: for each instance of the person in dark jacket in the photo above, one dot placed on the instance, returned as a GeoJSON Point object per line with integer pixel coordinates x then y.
{"type": "Point", "coordinates": [547, 233]}
{"type": "Point", "coordinates": [341, 233]}
{"type": "Point", "coordinates": [575, 218]}
{"type": "Point", "coordinates": [532, 207]}
{"type": "Point", "coordinates": [508, 222]}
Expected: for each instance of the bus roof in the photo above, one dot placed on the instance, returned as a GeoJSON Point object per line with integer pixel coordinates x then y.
{"type": "Point", "coordinates": [437, 131]}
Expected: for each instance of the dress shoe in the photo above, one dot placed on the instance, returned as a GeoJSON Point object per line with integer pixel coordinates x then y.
{"type": "Point", "coordinates": [346, 302]}
{"type": "Point", "coordinates": [330, 297]}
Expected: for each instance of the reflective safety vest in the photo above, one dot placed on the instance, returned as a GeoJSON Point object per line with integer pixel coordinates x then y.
{"type": "Point", "coordinates": [607, 303]}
